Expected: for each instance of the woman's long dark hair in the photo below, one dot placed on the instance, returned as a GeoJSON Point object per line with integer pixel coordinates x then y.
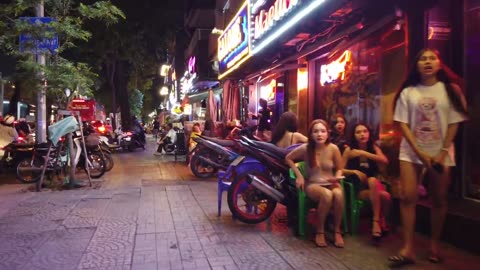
{"type": "Point", "coordinates": [287, 122]}
{"type": "Point", "coordinates": [444, 75]}
{"type": "Point", "coordinates": [354, 142]}
{"type": "Point", "coordinates": [312, 161]}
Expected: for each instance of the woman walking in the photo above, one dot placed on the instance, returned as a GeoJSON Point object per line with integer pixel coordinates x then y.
{"type": "Point", "coordinates": [428, 109]}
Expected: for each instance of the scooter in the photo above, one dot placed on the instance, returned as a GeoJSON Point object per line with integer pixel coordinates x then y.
{"type": "Point", "coordinates": [260, 182]}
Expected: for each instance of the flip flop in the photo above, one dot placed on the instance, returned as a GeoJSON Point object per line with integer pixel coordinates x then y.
{"type": "Point", "coordinates": [398, 261]}
{"type": "Point", "coordinates": [435, 258]}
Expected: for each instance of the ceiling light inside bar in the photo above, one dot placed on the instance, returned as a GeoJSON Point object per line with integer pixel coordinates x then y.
{"type": "Point", "coordinates": [296, 18]}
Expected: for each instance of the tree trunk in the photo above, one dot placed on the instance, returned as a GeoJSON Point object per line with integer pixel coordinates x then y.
{"type": "Point", "coordinates": [13, 110]}
{"type": "Point", "coordinates": [121, 83]}
{"type": "Point", "coordinates": [110, 66]}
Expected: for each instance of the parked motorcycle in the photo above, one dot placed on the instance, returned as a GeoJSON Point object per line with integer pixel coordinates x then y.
{"type": "Point", "coordinates": [211, 154]}
{"type": "Point", "coordinates": [131, 141]}
{"type": "Point", "coordinates": [260, 182]}
{"type": "Point", "coordinates": [12, 153]}
{"type": "Point", "coordinates": [93, 143]}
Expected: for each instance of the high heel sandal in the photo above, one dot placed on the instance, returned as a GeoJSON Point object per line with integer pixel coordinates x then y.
{"type": "Point", "coordinates": [323, 243]}
{"type": "Point", "coordinates": [376, 234]}
{"type": "Point", "coordinates": [339, 244]}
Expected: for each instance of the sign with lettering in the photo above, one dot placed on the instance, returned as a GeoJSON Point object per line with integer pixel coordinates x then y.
{"type": "Point", "coordinates": [335, 70]}
{"type": "Point", "coordinates": [267, 17]}
{"type": "Point", "coordinates": [46, 43]}
{"type": "Point", "coordinates": [234, 43]}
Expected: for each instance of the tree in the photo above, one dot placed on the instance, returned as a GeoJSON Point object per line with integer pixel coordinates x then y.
{"type": "Point", "coordinates": [69, 17]}
{"type": "Point", "coordinates": [129, 54]}
{"type": "Point", "coordinates": [136, 102]}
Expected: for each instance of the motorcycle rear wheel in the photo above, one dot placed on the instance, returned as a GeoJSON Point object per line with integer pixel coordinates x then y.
{"type": "Point", "coordinates": [29, 171]}
{"type": "Point", "coordinates": [257, 206]}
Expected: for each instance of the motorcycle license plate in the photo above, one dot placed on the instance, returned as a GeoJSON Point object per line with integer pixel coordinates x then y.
{"type": "Point", "coordinates": [237, 161]}
{"type": "Point", "coordinates": [128, 139]}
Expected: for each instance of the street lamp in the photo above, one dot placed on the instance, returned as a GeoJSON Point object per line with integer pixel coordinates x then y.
{"type": "Point", "coordinates": [68, 92]}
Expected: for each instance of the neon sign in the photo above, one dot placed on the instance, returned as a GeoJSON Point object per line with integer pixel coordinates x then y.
{"type": "Point", "coordinates": [336, 69]}
{"type": "Point", "coordinates": [192, 64]}
{"type": "Point", "coordinates": [299, 12]}
{"type": "Point", "coordinates": [267, 92]}
{"type": "Point", "coordinates": [267, 17]}
{"type": "Point", "coordinates": [234, 43]}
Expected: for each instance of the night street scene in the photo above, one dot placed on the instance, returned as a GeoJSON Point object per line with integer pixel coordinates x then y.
{"type": "Point", "coordinates": [239, 134]}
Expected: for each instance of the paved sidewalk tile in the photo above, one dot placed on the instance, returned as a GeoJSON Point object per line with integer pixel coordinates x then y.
{"type": "Point", "coordinates": [150, 213]}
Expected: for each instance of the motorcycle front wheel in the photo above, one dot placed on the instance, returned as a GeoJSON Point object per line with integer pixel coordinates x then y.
{"type": "Point", "coordinates": [200, 169]}
{"type": "Point", "coordinates": [96, 165]}
{"type": "Point", "coordinates": [247, 203]}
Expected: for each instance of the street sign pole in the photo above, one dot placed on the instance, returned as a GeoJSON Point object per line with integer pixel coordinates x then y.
{"type": "Point", "coordinates": [41, 126]}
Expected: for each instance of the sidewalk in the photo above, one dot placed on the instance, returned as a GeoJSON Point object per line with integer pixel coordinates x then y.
{"type": "Point", "coordinates": [150, 213]}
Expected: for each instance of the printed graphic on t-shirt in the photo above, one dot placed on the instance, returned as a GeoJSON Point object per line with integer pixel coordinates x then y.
{"type": "Point", "coordinates": [427, 128]}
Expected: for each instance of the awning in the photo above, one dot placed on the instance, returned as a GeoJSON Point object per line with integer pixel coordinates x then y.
{"type": "Point", "coordinates": [199, 96]}
{"type": "Point", "coordinates": [202, 85]}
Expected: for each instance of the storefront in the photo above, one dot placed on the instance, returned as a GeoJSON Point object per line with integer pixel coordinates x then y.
{"type": "Point", "coordinates": [359, 78]}
{"type": "Point", "coordinates": [471, 132]}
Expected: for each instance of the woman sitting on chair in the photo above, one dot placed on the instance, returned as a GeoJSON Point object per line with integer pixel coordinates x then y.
{"type": "Point", "coordinates": [322, 159]}
{"type": "Point", "coordinates": [285, 133]}
{"type": "Point", "coordinates": [360, 163]}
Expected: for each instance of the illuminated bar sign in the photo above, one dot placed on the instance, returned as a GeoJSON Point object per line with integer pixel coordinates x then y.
{"type": "Point", "coordinates": [234, 43]}
{"type": "Point", "coordinates": [266, 18]}
{"type": "Point", "coordinates": [335, 70]}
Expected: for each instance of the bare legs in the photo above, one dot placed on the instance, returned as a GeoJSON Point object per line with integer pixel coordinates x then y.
{"type": "Point", "coordinates": [438, 192]}
{"type": "Point", "coordinates": [380, 200]}
{"type": "Point", "coordinates": [409, 176]}
{"type": "Point", "coordinates": [327, 199]}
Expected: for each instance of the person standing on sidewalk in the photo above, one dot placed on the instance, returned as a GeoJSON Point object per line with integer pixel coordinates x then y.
{"type": "Point", "coordinates": [428, 108]}
{"type": "Point", "coordinates": [156, 128]}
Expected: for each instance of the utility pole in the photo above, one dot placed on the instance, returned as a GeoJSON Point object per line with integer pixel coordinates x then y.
{"type": "Point", "coordinates": [2, 91]}
{"type": "Point", "coordinates": [41, 126]}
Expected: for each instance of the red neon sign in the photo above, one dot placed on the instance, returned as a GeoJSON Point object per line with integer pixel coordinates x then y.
{"type": "Point", "coordinates": [336, 69]}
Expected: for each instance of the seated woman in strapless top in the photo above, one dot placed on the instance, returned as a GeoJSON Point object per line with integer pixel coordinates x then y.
{"type": "Point", "coordinates": [324, 167]}
{"type": "Point", "coordinates": [285, 133]}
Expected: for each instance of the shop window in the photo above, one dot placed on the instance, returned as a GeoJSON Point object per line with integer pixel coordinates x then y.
{"type": "Point", "coordinates": [360, 82]}
{"type": "Point", "coordinates": [471, 154]}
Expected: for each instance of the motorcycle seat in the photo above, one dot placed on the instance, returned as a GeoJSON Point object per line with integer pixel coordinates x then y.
{"type": "Point", "coordinates": [225, 143]}
{"type": "Point", "coordinates": [270, 148]}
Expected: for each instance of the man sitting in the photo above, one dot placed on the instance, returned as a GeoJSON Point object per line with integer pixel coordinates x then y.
{"type": "Point", "coordinates": [169, 138]}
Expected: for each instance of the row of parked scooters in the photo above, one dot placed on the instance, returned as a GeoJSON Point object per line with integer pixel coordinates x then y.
{"type": "Point", "coordinates": [256, 172]}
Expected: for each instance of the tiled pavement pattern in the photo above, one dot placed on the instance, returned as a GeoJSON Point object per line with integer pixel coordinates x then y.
{"type": "Point", "coordinates": [151, 214]}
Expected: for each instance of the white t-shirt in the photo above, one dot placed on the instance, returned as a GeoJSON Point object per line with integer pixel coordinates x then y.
{"type": "Point", "coordinates": [428, 111]}
{"type": "Point", "coordinates": [173, 135]}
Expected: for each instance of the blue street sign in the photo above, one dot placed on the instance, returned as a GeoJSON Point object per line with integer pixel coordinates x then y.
{"type": "Point", "coordinates": [35, 46]}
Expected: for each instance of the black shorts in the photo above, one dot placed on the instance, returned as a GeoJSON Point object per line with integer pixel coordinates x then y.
{"type": "Point", "coordinates": [358, 185]}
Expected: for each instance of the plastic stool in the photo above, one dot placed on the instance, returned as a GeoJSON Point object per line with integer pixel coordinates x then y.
{"type": "Point", "coordinates": [222, 186]}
